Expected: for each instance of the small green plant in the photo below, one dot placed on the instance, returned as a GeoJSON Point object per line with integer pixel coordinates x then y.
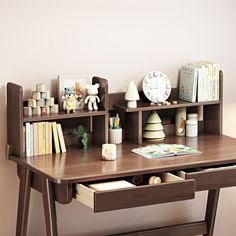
{"type": "Point", "coordinates": [82, 137]}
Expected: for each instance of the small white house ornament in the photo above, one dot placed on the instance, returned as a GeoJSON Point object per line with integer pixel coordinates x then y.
{"type": "Point", "coordinates": [131, 95]}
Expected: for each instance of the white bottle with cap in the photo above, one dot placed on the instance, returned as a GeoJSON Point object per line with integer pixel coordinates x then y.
{"type": "Point", "coordinates": [191, 128]}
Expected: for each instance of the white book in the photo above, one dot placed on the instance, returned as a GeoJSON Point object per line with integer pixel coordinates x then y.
{"type": "Point", "coordinates": [202, 83]}
{"type": "Point", "coordinates": [188, 83]}
{"type": "Point", "coordinates": [61, 138]}
{"type": "Point", "coordinates": [215, 80]}
{"type": "Point", "coordinates": [27, 139]}
{"type": "Point", "coordinates": [210, 80]}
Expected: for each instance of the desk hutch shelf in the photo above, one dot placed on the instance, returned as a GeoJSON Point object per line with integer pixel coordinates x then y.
{"type": "Point", "coordinates": [135, 117]}
{"type": "Point", "coordinates": [57, 176]}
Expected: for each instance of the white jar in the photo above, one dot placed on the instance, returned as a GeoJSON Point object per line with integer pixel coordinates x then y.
{"type": "Point", "coordinates": [191, 128]}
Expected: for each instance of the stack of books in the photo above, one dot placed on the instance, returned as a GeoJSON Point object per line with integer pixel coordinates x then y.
{"type": "Point", "coordinates": [199, 81]}
{"type": "Point", "coordinates": [41, 137]}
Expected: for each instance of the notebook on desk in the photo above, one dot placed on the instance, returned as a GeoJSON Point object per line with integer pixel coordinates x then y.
{"type": "Point", "coordinates": [164, 150]}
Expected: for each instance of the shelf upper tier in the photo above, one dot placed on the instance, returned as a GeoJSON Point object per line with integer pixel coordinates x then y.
{"type": "Point", "coordinates": [145, 105]}
{"type": "Point", "coordinates": [63, 115]}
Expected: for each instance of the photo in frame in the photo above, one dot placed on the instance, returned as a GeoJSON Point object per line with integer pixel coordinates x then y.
{"type": "Point", "coordinates": [72, 83]}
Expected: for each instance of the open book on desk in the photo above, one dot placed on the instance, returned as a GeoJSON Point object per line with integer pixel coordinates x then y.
{"type": "Point", "coordinates": [164, 150]}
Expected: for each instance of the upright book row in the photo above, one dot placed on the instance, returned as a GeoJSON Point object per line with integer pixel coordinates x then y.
{"type": "Point", "coordinates": [199, 81]}
{"type": "Point", "coordinates": [42, 138]}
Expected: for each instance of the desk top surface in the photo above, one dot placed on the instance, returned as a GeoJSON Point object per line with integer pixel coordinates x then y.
{"type": "Point", "coordinates": [78, 166]}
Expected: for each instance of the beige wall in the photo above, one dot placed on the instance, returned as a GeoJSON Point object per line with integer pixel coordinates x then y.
{"type": "Point", "coordinates": [119, 40]}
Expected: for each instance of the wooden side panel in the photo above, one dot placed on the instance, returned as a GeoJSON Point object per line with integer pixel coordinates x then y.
{"type": "Point", "coordinates": [133, 127]}
{"type": "Point", "coordinates": [144, 195]}
{"type": "Point", "coordinates": [15, 118]}
{"type": "Point", "coordinates": [103, 92]}
{"type": "Point", "coordinates": [100, 123]}
{"type": "Point", "coordinates": [100, 129]}
{"type": "Point", "coordinates": [213, 116]}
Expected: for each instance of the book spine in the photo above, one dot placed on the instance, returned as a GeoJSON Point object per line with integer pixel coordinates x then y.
{"type": "Point", "coordinates": [55, 137]}
{"type": "Point", "coordinates": [206, 85]}
{"type": "Point", "coordinates": [50, 137]}
{"type": "Point", "coordinates": [61, 138]}
{"type": "Point", "coordinates": [27, 139]}
{"type": "Point", "coordinates": [216, 82]}
{"type": "Point", "coordinates": [31, 140]}
{"type": "Point", "coordinates": [46, 137]}
{"type": "Point", "coordinates": [40, 137]}
{"type": "Point", "coordinates": [195, 83]}
{"type": "Point", "coordinates": [36, 139]}
{"type": "Point", "coordinates": [199, 85]}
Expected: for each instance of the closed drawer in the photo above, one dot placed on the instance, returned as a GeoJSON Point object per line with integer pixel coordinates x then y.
{"type": "Point", "coordinates": [172, 188]}
{"type": "Point", "coordinates": [211, 177]}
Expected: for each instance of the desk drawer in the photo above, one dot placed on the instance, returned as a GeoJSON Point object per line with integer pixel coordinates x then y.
{"type": "Point", "coordinates": [211, 177]}
{"type": "Point", "coordinates": [172, 188]}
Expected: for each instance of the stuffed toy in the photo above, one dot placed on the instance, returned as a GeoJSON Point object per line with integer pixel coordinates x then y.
{"type": "Point", "coordinates": [69, 100]}
{"type": "Point", "coordinates": [92, 97]}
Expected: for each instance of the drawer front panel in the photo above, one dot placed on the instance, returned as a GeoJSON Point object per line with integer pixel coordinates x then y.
{"type": "Point", "coordinates": [144, 195]}
{"type": "Point", "coordinates": [213, 178]}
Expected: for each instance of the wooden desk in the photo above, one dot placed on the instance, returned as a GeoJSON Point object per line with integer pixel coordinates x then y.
{"type": "Point", "coordinates": [55, 177]}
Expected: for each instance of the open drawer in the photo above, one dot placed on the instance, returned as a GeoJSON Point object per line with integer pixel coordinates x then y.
{"type": "Point", "coordinates": [172, 188]}
{"type": "Point", "coordinates": [211, 177]}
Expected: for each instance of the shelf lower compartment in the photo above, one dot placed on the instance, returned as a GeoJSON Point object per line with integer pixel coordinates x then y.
{"type": "Point", "coordinates": [173, 188]}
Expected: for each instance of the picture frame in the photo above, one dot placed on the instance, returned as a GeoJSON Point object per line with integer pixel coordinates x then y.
{"type": "Point", "coordinates": [78, 83]}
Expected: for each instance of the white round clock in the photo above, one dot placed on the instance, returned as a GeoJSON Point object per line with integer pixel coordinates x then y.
{"type": "Point", "coordinates": [156, 86]}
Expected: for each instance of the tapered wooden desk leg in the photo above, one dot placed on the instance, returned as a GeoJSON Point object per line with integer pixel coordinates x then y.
{"type": "Point", "coordinates": [49, 207]}
{"type": "Point", "coordinates": [212, 202]}
{"type": "Point", "coordinates": [23, 201]}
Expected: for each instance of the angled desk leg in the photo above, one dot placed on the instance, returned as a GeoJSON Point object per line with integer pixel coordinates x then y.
{"type": "Point", "coordinates": [23, 201]}
{"type": "Point", "coordinates": [49, 207]}
{"type": "Point", "coordinates": [212, 202]}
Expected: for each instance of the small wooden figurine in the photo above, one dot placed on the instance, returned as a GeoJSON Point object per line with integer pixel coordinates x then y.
{"type": "Point", "coordinates": [92, 97]}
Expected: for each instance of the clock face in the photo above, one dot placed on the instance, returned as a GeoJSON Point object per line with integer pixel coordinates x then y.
{"type": "Point", "coordinates": [156, 86]}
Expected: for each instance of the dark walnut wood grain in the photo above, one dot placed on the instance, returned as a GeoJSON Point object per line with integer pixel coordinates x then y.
{"type": "Point", "coordinates": [79, 166]}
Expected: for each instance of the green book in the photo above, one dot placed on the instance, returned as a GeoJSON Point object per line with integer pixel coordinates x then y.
{"type": "Point", "coordinates": [55, 137]}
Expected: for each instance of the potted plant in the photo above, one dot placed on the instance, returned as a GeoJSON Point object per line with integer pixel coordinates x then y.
{"type": "Point", "coordinates": [81, 136]}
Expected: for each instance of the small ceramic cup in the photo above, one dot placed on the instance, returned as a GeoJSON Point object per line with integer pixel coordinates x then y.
{"type": "Point", "coordinates": [108, 152]}
{"type": "Point", "coordinates": [115, 136]}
